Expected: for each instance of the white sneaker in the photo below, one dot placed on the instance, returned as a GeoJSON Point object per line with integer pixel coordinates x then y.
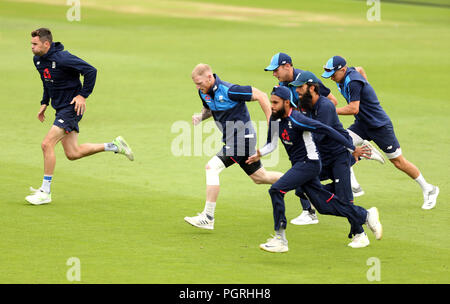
{"type": "Point", "coordinates": [429, 198]}
{"type": "Point", "coordinates": [357, 191]}
{"type": "Point", "coordinates": [38, 197]}
{"type": "Point", "coordinates": [275, 244]}
{"type": "Point", "coordinates": [200, 221]}
{"type": "Point", "coordinates": [123, 147]}
{"type": "Point", "coordinates": [373, 222]}
{"type": "Point", "coordinates": [375, 154]}
{"type": "Point", "coordinates": [359, 241]}
{"type": "Point", "coordinates": [305, 218]}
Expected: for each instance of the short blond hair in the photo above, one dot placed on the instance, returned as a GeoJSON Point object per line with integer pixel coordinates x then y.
{"type": "Point", "coordinates": [201, 69]}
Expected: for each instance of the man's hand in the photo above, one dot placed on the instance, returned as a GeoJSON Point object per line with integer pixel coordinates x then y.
{"type": "Point", "coordinates": [254, 158]}
{"type": "Point", "coordinates": [196, 119]}
{"type": "Point", "coordinates": [80, 104]}
{"type": "Point", "coordinates": [361, 151]}
{"type": "Point", "coordinates": [41, 112]}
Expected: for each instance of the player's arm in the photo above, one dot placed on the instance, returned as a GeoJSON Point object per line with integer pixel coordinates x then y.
{"type": "Point", "coordinates": [89, 74]}
{"type": "Point", "coordinates": [361, 71]}
{"type": "Point", "coordinates": [352, 108]}
{"type": "Point", "coordinates": [41, 113]}
{"type": "Point", "coordinates": [88, 71]}
{"type": "Point", "coordinates": [248, 93]}
{"type": "Point", "coordinates": [333, 99]}
{"type": "Point", "coordinates": [270, 146]}
{"type": "Point", "coordinates": [325, 91]}
{"type": "Point", "coordinates": [44, 103]}
{"type": "Point", "coordinates": [326, 116]}
{"type": "Point", "coordinates": [307, 124]}
{"type": "Point", "coordinates": [263, 101]}
{"type": "Point", "coordinates": [205, 114]}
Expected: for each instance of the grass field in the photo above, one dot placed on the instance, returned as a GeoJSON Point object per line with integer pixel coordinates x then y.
{"type": "Point", "coordinates": [124, 220]}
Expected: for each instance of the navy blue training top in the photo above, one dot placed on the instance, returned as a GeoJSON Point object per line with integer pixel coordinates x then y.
{"type": "Point", "coordinates": [295, 132]}
{"type": "Point", "coordinates": [60, 74]}
{"type": "Point", "coordinates": [227, 104]}
{"type": "Point", "coordinates": [325, 111]}
{"type": "Point", "coordinates": [356, 87]}
{"type": "Point", "coordinates": [323, 90]}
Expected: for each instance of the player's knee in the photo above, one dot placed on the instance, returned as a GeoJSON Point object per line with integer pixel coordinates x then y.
{"type": "Point", "coordinates": [274, 190]}
{"type": "Point", "coordinates": [399, 163]}
{"type": "Point", "coordinates": [46, 145]}
{"type": "Point", "coordinates": [72, 155]}
{"type": "Point", "coordinates": [258, 180]}
{"type": "Point", "coordinates": [213, 169]}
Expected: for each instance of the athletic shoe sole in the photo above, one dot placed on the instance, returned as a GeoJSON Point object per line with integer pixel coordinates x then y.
{"type": "Point", "coordinates": [198, 226]}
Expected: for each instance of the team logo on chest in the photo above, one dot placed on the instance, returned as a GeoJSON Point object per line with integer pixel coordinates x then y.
{"type": "Point", "coordinates": [285, 138]}
{"type": "Point", "coordinates": [285, 135]}
{"type": "Point", "coordinates": [46, 74]}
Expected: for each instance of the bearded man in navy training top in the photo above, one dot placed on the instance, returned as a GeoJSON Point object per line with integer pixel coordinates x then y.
{"type": "Point", "coordinates": [60, 74]}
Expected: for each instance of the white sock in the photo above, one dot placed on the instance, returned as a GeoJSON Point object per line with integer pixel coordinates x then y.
{"type": "Point", "coordinates": [353, 180]}
{"type": "Point", "coordinates": [281, 233]}
{"type": "Point", "coordinates": [46, 183]}
{"type": "Point", "coordinates": [111, 147]}
{"type": "Point", "coordinates": [210, 208]}
{"type": "Point", "coordinates": [423, 184]}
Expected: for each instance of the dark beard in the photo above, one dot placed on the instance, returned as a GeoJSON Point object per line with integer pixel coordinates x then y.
{"type": "Point", "coordinates": [306, 101]}
{"type": "Point", "coordinates": [279, 114]}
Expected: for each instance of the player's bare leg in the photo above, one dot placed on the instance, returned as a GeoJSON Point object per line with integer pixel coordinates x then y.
{"type": "Point", "coordinates": [75, 151]}
{"type": "Point", "coordinates": [54, 135]}
{"type": "Point", "coordinates": [205, 219]}
{"type": "Point", "coordinates": [262, 176]}
{"type": "Point", "coordinates": [42, 195]}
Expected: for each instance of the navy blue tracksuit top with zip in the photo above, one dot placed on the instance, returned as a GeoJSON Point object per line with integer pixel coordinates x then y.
{"type": "Point", "coordinates": [60, 74]}
{"type": "Point", "coordinates": [325, 112]}
{"type": "Point", "coordinates": [295, 134]}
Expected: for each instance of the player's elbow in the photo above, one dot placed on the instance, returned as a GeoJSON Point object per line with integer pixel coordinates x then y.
{"type": "Point", "coordinates": [258, 95]}
{"type": "Point", "coordinates": [354, 107]}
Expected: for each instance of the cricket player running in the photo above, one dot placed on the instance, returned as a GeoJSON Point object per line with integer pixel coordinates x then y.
{"type": "Point", "coordinates": [372, 122]}
{"type": "Point", "coordinates": [295, 131]}
{"type": "Point", "coordinates": [60, 74]}
{"type": "Point", "coordinates": [336, 160]}
{"type": "Point", "coordinates": [225, 102]}
{"type": "Point", "coordinates": [282, 68]}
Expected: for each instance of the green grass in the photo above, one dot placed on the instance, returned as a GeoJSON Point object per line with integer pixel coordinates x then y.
{"type": "Point", "coordinates": [124, 220]}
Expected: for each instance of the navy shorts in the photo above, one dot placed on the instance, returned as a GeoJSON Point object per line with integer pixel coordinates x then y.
{"type": "Point", "coordinates": [67, 119]}
{"type": "Point", "coordinates": [383, 136]}
{"type": "Point", "coordinates": [230, 156]}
